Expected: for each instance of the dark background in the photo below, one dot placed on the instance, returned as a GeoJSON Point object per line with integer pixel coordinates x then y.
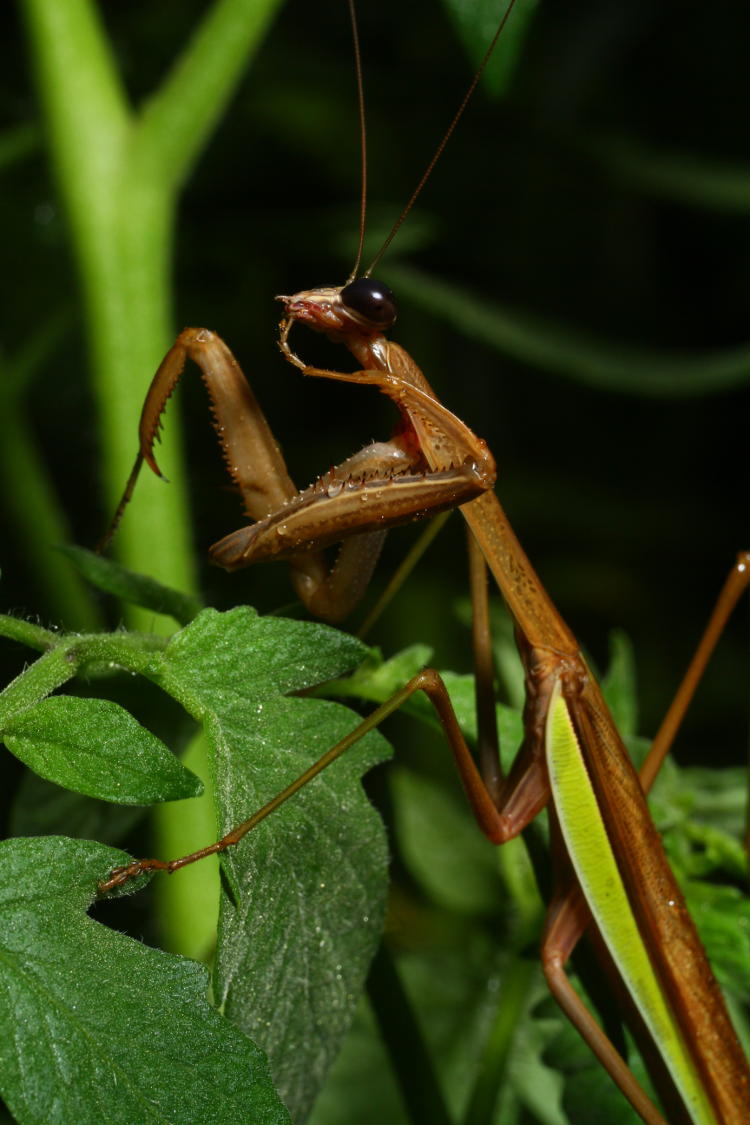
{"type": "Point", "coordinates": [631, 507]}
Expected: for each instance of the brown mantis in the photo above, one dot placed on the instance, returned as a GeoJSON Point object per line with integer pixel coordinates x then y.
{"type": "Point", "coordinates": [435, 462]}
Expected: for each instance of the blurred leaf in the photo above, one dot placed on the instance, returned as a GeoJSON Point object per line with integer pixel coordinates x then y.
{"type": "Point", "coordinates": [538, 1086]}
{"type": "Point", "coordinates": [700, 840]}
{"type": "Point", "coordinates": [137, 589]}
{"type": "Point", "coordinates": [591, 1095]}
{"type": "Point", "coordinates": [98, 1026]}
{"type": "Point", "coordinates": [477, 22]}
{"type": "Point", "coordinates": [440, 843]}
{"type": "Point", "coordinates": [722, 915]}
{"type": "Point", "coordinates": [701, 847]}
{"type": "Point", "coordinates": [606, 365]}
{"type": "Point", "coordinates": [96, 747]}
{"type": "Point", "coordinates": [377, 679]}
{"type": "Point", "coordinates": [719, 797]}
{"type": "Point", "coordinates": [696, 180]}
{"type": "Point", "coordinates": [619, 686]}
{"type": "Point", "coordinates": [709, 852]}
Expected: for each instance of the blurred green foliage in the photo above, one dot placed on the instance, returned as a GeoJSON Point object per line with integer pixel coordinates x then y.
{"type": "Point", "coordinates": [546, 203]}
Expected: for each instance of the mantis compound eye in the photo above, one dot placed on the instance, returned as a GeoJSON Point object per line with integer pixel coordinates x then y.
{"type": "Point", "coordinates": [372, 300]}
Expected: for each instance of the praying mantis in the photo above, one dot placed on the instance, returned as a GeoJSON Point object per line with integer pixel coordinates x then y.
{"type": "Point", "coordinates": [436, 462]}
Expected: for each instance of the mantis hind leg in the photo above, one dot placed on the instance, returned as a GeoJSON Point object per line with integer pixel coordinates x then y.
{"type": "Point", "coordinates": [735, 584]}
{"type": "Point", "coordinates": [567, 919]}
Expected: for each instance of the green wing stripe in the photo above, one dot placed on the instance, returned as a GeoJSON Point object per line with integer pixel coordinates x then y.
{"type": "Point", "coordinates": [600, 880]}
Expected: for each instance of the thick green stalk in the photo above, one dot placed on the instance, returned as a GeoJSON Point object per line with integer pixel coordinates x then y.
{"type": "Point", "coordinates": [119, 174]}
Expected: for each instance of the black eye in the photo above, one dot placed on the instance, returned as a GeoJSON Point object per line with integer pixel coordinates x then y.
{"type": "Point", "coordinates": [372, 300]}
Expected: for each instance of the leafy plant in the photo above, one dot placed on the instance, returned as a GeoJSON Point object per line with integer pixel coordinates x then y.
{"type": "Point", "coordinates": [232, 672]}
{"type": "Point", "coordinates": [304, 897]}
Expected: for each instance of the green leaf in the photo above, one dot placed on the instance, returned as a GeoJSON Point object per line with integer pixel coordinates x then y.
{"type": "Point", "coordinates": [236, 657]}
{"type": "Point", "coordinates": [137, 589]}
{"type": "Point", "coordinates": [310, 882]}
{"type": "Point", "coordinates": [591, 1095]}
{"type": "Point", "coordinates": [95, 747]}
{"type": "Point", "coordinates": [95, 1026]}
{"type": "Point", "coordinates": [618, 684]}
{"type": "Point", "coordinates": [695, 180]}
{"type": "Point", "coordinates": [461, 690]}
{"type": "Point", "coordinates": [476, 24]}
{"type": "Point", "coordinates": [377, 679]}
{"type": "Point", "coordinates": [442, 846]}
{"type": "Point", "coordinates": [722, 915]}
{"type": "Point", "coordinates": [719, 797]}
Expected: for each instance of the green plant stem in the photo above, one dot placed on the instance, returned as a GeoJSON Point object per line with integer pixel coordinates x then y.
{"type": "Point", "coordinates": [67, 656]}
{"type": "Point", "coordinates": [119, 173]}
{"type": "Point", "coordinates": [26, 632]}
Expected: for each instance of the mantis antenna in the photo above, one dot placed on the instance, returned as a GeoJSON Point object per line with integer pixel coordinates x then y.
{"type": "Point", "coordinates": [441, 146]}
{"type": "Point", "coordinates": [362, 140]}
